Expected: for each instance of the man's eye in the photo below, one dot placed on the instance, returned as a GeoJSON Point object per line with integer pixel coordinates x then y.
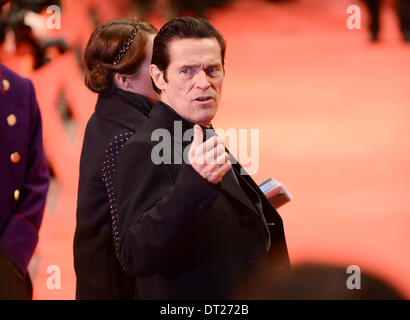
{"type": "Point", "coordinates": [186, 71]}
{"type": "Point", "coordinates": [212, 70]}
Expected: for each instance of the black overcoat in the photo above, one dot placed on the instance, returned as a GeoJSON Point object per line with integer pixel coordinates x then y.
{"type": "Point", "coordinates": [183, 237]}
{"type": "Point", "coordinates": [118, 114]}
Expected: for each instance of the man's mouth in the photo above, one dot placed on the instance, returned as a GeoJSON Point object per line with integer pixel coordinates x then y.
{"type": "Point", "coordinates": [204, 98]}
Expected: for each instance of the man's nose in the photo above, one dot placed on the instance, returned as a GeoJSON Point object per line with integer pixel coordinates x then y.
{"type": "Point", "coordinates": [202, 80]}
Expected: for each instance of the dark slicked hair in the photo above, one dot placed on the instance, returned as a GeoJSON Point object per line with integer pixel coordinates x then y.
{"type": "Point", "coordinates": [182, 28]}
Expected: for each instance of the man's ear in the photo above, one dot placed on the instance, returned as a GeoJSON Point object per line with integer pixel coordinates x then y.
{"type": "Point", "coordinates": [158, 77]}
{"type": "Point", "coordinates": [121, 80]}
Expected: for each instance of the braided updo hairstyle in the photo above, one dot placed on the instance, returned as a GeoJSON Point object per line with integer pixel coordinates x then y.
{"type": "Point", "coordinates": [103, 47]}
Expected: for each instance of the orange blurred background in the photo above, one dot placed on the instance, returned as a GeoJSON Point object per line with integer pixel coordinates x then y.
{"type": "Point", "coordinates": [333, 112]}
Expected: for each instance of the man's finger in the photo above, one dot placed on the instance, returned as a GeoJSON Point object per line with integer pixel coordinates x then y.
{"type": "Point", "coordinates": [212, 155]}
{"type": "Point", "coordinates": [220, 172]}
{"type": "Point", "coordinates": [208, 145]}
{"type": "Point", "coordinates": [222, 158]}
{"type": "Point", "coordinates": [225, 168]}
{"type": "Point", "coordinates": [198, 136]}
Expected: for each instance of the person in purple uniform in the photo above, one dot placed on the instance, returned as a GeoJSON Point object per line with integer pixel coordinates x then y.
{"type": "Point", "coordinates": [24, 180]}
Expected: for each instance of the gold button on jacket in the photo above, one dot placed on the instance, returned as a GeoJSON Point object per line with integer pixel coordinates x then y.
{"type": "Point", "coordinates": [15, 157]}
{"type": "Point", "coordinates": [16, 194]}
{"type": "Point", "coordinates": [6, 84]}
{"type": "Point", "coordinates": [11, 120]}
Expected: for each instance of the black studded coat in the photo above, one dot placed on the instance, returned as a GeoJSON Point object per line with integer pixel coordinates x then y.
{"type": "Point", "coordinates": [100, 275]}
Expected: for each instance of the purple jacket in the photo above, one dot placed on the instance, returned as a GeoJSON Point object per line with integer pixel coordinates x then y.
{"type": "Point", "coordinates": [24, 174]}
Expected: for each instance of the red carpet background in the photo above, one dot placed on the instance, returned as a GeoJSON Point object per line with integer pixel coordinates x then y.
{"type": "Point", "coordinates": [333, 112]}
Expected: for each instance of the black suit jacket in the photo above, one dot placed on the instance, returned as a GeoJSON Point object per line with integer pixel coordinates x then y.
{"type": "Point", "coordinates": [183, 237]}
{"type": "Point", "coordinates": [118, 114]}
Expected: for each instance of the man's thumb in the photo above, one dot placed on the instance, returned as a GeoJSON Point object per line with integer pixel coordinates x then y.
{"type": "Point", "coordinates": [198, 136]}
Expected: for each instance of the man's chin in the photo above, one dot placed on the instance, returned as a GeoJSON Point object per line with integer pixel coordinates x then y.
{"type": "Point", "coordinates": [206, 119]}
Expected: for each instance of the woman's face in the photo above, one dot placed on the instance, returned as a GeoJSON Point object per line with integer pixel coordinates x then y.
{"type": "Point", "coordinates": [140, 82]}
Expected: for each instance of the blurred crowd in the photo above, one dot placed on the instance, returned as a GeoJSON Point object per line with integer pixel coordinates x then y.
{"type": "Point", "coordinates": [22, 22]}
{"type": "Point", "coordinates": [402, 8]}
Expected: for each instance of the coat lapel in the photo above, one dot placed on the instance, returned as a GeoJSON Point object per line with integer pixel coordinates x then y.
{"type": "Point", "coordinates": [233, 189]}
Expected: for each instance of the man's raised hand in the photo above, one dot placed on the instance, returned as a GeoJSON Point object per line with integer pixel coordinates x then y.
{"type": "Point", "coordinates": [209, 158]}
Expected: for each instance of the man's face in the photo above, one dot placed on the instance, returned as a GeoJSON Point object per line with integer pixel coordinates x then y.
{"type": "Point", "coordinates": [194, 79]}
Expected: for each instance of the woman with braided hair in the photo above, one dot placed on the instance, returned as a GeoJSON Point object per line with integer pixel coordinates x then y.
{"type": "Point", "coordinates": [117, 58]}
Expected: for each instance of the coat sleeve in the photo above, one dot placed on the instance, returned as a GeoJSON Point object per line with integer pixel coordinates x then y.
{"type": "Point", "coordinates": [20, 236]}
{"type": "Point", "coordinates": [156, 214]}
